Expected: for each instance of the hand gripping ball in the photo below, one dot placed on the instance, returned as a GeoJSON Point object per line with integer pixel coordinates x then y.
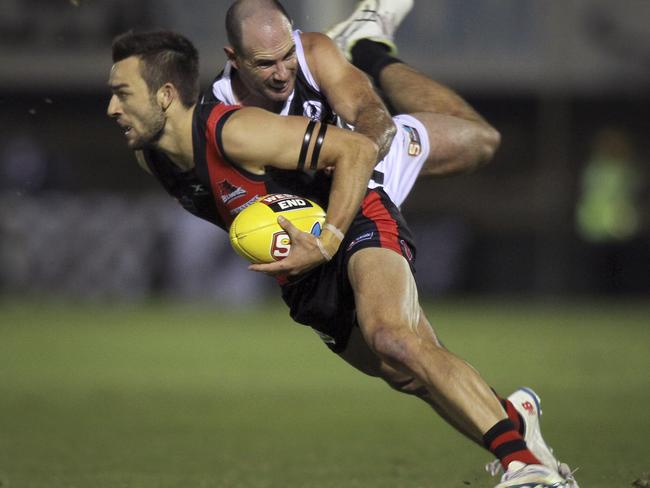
{"type": "Point", "coordinates": [256, 235]}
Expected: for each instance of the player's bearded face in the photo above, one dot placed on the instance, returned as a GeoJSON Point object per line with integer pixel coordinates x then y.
{"type": "Point", "coordinates": [147, 125]}
{"type": "Point", "coordinates": [133, 105]}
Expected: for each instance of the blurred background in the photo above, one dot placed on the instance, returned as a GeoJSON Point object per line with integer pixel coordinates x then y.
{"type": "Point", "coordinates": [535, 268]}
{"type": "Point", "coordinates": [563, 210]}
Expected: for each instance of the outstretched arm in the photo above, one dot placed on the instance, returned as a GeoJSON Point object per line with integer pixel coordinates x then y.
{"type": "Point", "coordinates": [349, 91]}
{"type": "Point", "coordinates": [254, 138]}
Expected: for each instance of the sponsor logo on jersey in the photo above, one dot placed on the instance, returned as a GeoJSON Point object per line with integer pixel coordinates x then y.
{"type": "Point", "coordinates": [363, 237]}
{"type": "Point", "coordinates": [312, 109]}
{"type": "Point", "coordinates": [192, 192]}
{"type": "Point", "coordinates": [415, 146]}
{"type": "Point", "coordinates": [406, 249]}
{"type": "Point", "coordinates": [228, 191]}
{"type": "Point", "coordinates": [198, 189]}
{"type": "Point", "coordinates": [250, 202]}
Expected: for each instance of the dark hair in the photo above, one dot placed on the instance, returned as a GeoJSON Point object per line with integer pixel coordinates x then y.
{"type": "Point", "coordinates": [167, 57]}
{"type": "Point", "coordinates": [235, 18]}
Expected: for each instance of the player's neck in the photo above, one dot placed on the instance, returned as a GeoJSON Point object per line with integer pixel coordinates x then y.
{"type": "Point", "coordinates": [176, 140]}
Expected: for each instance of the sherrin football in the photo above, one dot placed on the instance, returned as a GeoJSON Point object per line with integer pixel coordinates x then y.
{"type": "Point", "coordinates": [256, 235]}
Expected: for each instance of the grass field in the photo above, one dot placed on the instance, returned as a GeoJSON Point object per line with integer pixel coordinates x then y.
{"type": "Point", "coordinates": [190, 396]}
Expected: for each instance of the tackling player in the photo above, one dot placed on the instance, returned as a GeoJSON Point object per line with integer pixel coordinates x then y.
{"type": "Point", "coordinates": [294, 73]}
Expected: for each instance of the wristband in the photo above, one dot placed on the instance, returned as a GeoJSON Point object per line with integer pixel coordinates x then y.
{"type": "Point", "coordinates": [323, 251]}
{"type": "Point", "coordinates": [334, 230]}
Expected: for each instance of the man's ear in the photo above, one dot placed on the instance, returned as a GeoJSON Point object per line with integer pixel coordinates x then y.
{"type": "Point", "coordinates": [231, 55]}
{"type": "Point", "coordinates": [165, 96]}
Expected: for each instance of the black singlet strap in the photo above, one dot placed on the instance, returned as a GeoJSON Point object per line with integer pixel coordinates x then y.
{"type": "Point", "coordinates": [305, 144]}
{"type": "Point", "coordinates": [319, 144]}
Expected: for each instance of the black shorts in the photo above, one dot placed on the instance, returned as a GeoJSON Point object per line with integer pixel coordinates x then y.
{"type": "Point", "coordinates": [323, 298]}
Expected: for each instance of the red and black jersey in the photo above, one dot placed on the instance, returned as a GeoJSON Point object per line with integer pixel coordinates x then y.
{"type": "Point", "coordinates": [217, 189]}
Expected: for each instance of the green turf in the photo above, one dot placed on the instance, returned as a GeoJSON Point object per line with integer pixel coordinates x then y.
{"type": "Point", "coordinates": [179, 396]}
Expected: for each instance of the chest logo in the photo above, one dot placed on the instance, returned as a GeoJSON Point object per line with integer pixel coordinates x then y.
{"type": "Point", "coordinates": [198, 189]}
{"type": "Point", "coordinates": [228, 191]}
{"type": "Point", "coordinates": [312, 109]}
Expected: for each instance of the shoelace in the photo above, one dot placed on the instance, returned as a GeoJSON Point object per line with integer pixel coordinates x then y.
{"type": "Point", "coordinates": [567, 474]}
{"type": "Point", "coordinates": [494, 467]}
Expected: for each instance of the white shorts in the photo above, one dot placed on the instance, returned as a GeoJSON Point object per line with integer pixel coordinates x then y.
{"type": "Point", "coordinates": [400, 168]}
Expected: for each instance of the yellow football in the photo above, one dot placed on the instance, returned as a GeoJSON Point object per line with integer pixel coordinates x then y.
{"type": "Point", "coordinates": [256, 235]}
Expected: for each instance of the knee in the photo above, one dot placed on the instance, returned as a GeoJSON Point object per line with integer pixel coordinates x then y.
{"type": "Point", "coordinates": [395, 345]}
{"type": "Point", "coordinates": [407, 350]}
{"type": "Point", "coordinates": [491, 140]}
{"type": "Point", "coordinates": [481, 150]}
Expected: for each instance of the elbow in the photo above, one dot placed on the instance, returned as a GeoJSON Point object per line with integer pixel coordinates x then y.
{"type": "Point", "coordinates": [386, 141]}
{"type": "Point", "coordinates": [373, 151]}
{"type": "Point", "coordinates": [391, 132]}
{"type": "Point", "coordinates": [367, 151]}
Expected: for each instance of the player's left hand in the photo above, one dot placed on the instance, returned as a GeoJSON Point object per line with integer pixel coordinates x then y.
{"type": "Point", "coordinates": [303, 255]}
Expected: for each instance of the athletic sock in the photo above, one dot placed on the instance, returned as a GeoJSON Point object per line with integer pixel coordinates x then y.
{"type": "Point", "coordinates": [507, 444]}
{"type": "Point", "coordinates": [372, 57]}
{"type": "Point", "coordinates": [513, 415]}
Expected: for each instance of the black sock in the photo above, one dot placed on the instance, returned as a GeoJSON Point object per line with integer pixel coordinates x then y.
{"type": "Point", "coordinates": [372, 57]}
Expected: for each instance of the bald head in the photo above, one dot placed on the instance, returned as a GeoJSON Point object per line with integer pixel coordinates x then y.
{"type": "Point", "coordinates": [256, 14]}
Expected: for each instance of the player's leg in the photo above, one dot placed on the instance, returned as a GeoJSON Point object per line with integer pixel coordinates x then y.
{"type": "Point", "coordinates": [391, 324]}
{"type": "Point", "coordinates": [518, 406]}
{"type": "Point", "coordinates": [367, 39]}
{"type": "Point", "coordinates": [463, 138]}
{"type": "Point", "coordinates": [360, 356]}
{"type": "Point", "coordinates": [427, 143]}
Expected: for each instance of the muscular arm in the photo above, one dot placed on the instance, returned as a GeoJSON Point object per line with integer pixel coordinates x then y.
{"type": "Point", "coordinates": [255, 138]}
{"type": "Point", "coordinates": [349, 91]}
